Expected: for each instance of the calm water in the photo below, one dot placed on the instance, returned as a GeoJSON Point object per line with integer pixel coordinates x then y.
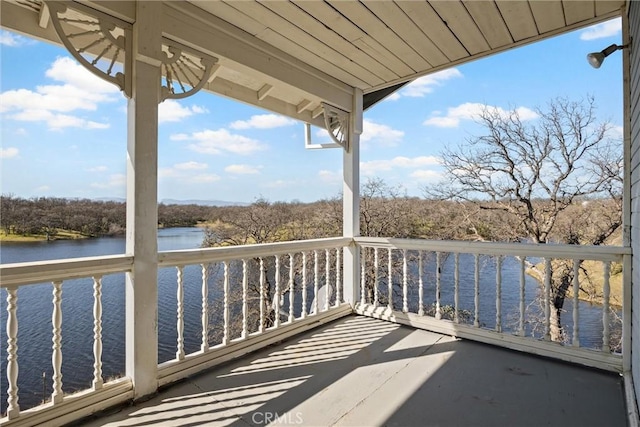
{"type": "Point", "coordinates": [34, 332]}
{"type": "Point", "coordinates": [34, 336]}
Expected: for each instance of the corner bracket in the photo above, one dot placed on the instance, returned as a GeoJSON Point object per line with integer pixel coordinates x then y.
{"type": "Point", "coordinates": [101, 43]}
{"type": "Point", "coordinates": [336, 122]}
{"type": "Point", "coordinates": [184, 70]}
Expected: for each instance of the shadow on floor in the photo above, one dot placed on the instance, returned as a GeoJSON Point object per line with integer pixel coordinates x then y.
{"type": "Point", "coordinates": [360, 371]}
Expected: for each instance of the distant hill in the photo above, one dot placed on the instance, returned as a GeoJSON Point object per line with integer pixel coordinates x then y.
{"type": "Point", "coordinates": [202, 202]}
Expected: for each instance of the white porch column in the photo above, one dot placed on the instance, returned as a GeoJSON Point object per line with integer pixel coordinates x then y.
{"type": "Point", "coordinates": [142, 206]}
{"type": "Point", "coordinates": [351, 201]}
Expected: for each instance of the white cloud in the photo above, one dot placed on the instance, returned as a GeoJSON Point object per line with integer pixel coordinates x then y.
{"type": "Point", "coordinates": [242, 169]}
{"type": "Point", "coordinates": [114, 181]}
{"type": "Point", "coordinates": [78, 78]}
{"type": "Point", "coordinates": [472, 111]}
{"type": "Point", "coordinates": [97, 169]}
{"type": "Point", "coordinates": [220, 141]}
{"type": "Point", "coordinates": [9, 152]}
{"type": "Point", "coordinates": [191, 166]}
{"type": "Point", "coordinates": [43, 188]}
{"type": "Point", "coordinates": [426, 175]}
{"type": "Point", "coordinates": [425, 84]}
{"type": "Point", "coordinates": [380, 134]}
{"type": "Point", "coordinates": [80, 90]}
{"type": "Point", "coordinates": [263, 121]}
{"type": "Point", "coordinates": [57, 121]}
{"type": "Point", "coordinates": [374, 166]}
{"type": "Point", "coordinates": [10, 39]}
{"type": "Point", "coordinates": [172, 111]}
{"type": "Point", "coordinates": [603, 30]}
{"type": "Point", "coordinates": [616, 132]}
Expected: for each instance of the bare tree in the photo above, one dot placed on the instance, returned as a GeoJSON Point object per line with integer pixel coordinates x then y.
{"type": "Point", "coordinates": [533, 171]}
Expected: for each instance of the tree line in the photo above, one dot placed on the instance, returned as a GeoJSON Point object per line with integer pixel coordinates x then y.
{"type": "Point", "coordinates": [48, 216]}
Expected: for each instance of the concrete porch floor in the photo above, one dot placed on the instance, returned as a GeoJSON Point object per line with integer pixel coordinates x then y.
{"type": "Point", "coordinates": [359, 371]}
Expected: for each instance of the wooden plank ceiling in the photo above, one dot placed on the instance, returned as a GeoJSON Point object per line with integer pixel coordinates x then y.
{"type": "Point", "coordinates": [375, 44]}
{"type": "Point", "coordinates": [371, 45]}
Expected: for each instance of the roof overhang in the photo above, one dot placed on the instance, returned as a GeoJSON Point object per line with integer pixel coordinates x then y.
{"type": "Point", "coordinates": [289, 57]}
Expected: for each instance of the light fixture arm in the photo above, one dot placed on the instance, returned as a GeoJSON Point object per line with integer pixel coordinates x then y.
{"type": "Point", "coordinates": [597, 58]}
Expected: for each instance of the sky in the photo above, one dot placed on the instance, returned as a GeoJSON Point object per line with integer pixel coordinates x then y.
{"type": "Point", "coordinates": [63, 130]}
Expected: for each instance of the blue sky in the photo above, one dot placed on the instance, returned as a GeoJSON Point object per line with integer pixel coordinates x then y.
{"type": "Point", "coordinates": [64, 131]}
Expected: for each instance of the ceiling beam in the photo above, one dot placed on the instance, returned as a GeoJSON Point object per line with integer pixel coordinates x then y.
{"type": "Point", "coordinates": [249, 55]}
{"type": "Point", "coordinates": [226, 88]}
{"type": "Point", "coordinates": [26, 21]}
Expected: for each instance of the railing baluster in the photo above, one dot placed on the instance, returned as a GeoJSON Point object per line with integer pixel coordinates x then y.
{"type": "Point", "coordinates": [438, 279]}
{"type": "Point", "coordinates": [405, 302]}
{"type": "Point", "coordinates": [363, 253]}
{"type": "Point", "coordinates": [576, 303]}
{"type": "Point", "coordinates": [262, 296]}
{"type": "Point", "coordinates": [522, 301]}
{"type": "Point", "coordinates": [499, 293]}
{"type": "Point", "coordinates": [245, 302]}
{"type": "Point", "coordinates": [56, 358]}
{"type": "Point", "coordinates": [376, 266]}
{"type": "Point", "coordinates": [456, 287]}
{"type": "Point", "coordinates": [327, 274]}
{"type": "Point", "coordinates": [225, 302]}
{"type": "Point", "coordinates": [606, 292]}
{"type": "Point", "coordinates": [390, 278]}
{"type": "Point", "coordinates": [316, 280]}
{"type": "Point", "coordinates": [13, 408]}
{"type": "Point", "coordinates": [304, 285]}
{"type": "Point", "coordinates": [291, 290]}
{"type": "Point", "coordinates": [327, 282]}
{"type": "Point", "coordinates": [338, 279]}
{"type": "Point", "coordinates": [204, 346]}
{"type": "Point", "coordinates": [420, 286]}
{"type": "Point", "coordinates": [547, 297]}
{"type": "Point", "coordinates": [97, 333]}
{"type": "Point", "coordinates": [277, 293]}
{"type": "Point", "coordinates": [476, 298]}
{"type": "Point", "coordinates": [180, 309]}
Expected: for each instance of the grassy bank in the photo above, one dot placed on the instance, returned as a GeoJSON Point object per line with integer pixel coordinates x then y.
{"type": "Point", "coordinates": [60, 235]}
{"type": "Point", "coordinates": [591, 280]}
{"type": "Point", "coordinates": [591, 288]}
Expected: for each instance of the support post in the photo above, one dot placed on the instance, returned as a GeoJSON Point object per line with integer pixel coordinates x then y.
{"type": "Point", "coordinates": [351, 202]}
{"type": "Point", "coordinates": [142, 207]}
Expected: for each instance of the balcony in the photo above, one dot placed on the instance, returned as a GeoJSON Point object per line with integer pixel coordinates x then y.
{"type": "Point", "coordinates": [406, 332]}
{"type": "Point", "coordinates": [363, 371]}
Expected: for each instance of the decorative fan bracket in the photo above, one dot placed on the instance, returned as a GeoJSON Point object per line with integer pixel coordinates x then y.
{"type": "Point", "coordinates": [184, 70]}
{"type": "Point", "coordinates": [101, 43]}
{"type": "Point", "coordinates": [336, 122]}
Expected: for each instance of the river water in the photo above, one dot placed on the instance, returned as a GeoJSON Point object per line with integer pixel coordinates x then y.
{"type": "Point", "coordinates": [35, 310]}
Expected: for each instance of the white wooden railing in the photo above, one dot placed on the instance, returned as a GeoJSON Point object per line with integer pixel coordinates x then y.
{"type": "Point", "coordinates": [305, 282]}
{"type": "Point", "coordinates": [403, 298]}
{"type": "Point", "coordinates": [15, 277]}
{"type": "Point", "coordinates": [299, 272]}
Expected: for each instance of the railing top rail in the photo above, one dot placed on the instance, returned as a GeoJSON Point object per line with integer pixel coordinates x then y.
{"type": "Point", "coordinates": [583, 252]}
{"type": "Point", "coordinates": [25, 273]}
{"type": "Point", "coordinates": [227, 253]}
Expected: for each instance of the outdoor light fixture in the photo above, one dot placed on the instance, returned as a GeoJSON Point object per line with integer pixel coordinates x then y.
{"type": "Point", "coordinates": [597, 58]}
